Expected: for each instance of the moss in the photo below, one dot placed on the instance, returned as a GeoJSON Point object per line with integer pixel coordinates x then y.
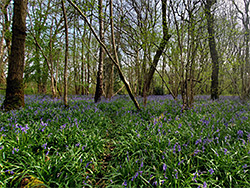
{"type": "Point", "coordinates": [34, 182]}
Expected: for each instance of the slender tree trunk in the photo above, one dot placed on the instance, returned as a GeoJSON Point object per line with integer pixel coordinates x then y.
{"type": "Point", "coordinates": [14, 97]}
{"type": "Point", "coordinates": [1, 56]}
{"type": "Point", "coordinates": [246, 94]}
{"type": "Point", "coordinates": [82, 69]}
{"type": "Point", "coordinates": [111, 83]}
{"type": "Point", "coordinates": [51, 64]}
{"type": "Point", "coordinates": [111, 76]}
{"type": "Point", "coordinates": [213, 51]}
{"type": "Point", "coordinates": [99, 81]}
{"type": "Point", "coordinates": [6, 28]}
{"type": "Point", "coordinates": [57, 67]}
{"type": "Point", "coordinates": [65, 96]}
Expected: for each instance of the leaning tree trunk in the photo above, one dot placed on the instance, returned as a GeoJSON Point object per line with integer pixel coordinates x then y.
{"type": "Point", "coordinates": [14, 97]}
{"type": "Point", "coordinates": [213, 51]}
{"type": "Point", "coordinates": [99, 83]}
{"type": "Point", "coordinates": [158, 54]}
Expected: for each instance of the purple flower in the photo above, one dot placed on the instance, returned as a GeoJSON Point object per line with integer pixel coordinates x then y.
{"type": "Point", "coordinates": [179, 148]}
{"type": "Point", "coordinates": [176, 175]}
{"type": "Point", "coordinates": [240, 133]}
{"type": "Point", "coordinates": [198, 141]}
{"type": "Point", "coordinates": [125, 183]}
{"type": "Point", "coordinates": [196, 151]}
{"type": "Point", "coordinates": [204, 185]}
{"type": "Point", "coordinates": [211, 171]}
{"type": "Point", "coordinates": [1, 147]}
{"type": "Point", "coordinates": [24, 129]}
{"type": "Point", "coordinates": [77, 144]}
{"type": "Point", "coordinates": [44, 146]}
{"type": "Point", "coordinates": [88, 164]}
{"type": "Point", "coordinates": [141, 164]}
{"type": "Point", "coordinates": [136, 175]}
{"type": "Point", "coordinates": [181, 162]}
{"type": "Point", "coordinates": [225, 151]}
{"type": "Point", "coordinates": [174, 150]}
{"type": "Point", "coordinates": [195, 176]}
{"type": "Point", "coordinates": [164, 167]}
{"type": "Point", "coordinates": [14, 149]}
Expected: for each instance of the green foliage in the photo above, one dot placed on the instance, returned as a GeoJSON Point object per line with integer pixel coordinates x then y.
{"type": "Point", "coordinates": [111, 145]}
{"type": "Point", "coordinates": [158, 90]}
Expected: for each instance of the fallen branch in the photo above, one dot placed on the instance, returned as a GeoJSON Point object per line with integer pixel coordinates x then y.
{"type": "Point", "coordinates": [115, 62]}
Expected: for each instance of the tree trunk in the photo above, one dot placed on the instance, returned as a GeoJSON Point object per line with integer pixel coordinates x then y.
{"type": "Point", "coordinates": [159, 52]}
{"type": "Point", "coordinates": [1, 56]}
{"type": "Point", "coordinates": [7, 38]}
{"type": "Point", "coordinates": [65, 95]}
{"type": "Point", "coordinates": [14, 97]}
{"type": "Point", "coordinates": [82, 68]}
{"type": "Point", "coordinates": [111, 76]}
{"type": "Point", "coordinates": [99, 82]}
{"type": "Point", "coordinates": [51, 64]}
{"type": "Point", "coordinates": [213, 51]}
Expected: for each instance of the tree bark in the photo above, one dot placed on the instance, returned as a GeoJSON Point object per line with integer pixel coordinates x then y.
{"type": "Point", "coordinates": [65, 95]}
{"type": "Point", "coordinates": [7, 37]}
{"type": "Point", "coordinates": [99, 81]}
{"type": "Point", "coordinates": [51, 64]}
{"type": "Point", "coordinates": [213, 51]}
{"type": "Point", "coordinates": [111, 76]}
{"type": "Point", "coordinates": [14, 98]}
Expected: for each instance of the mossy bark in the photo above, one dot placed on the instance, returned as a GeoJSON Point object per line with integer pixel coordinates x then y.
{"type": "Point", "coordinates": [15, 97]}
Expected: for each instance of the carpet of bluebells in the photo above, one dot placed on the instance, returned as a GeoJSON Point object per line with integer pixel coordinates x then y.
{"type": "Point", "coordinates": [110, 144]}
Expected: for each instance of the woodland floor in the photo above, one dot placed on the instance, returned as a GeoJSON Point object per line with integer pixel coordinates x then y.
{"type": "Point", "coordinates": [110, 144]}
